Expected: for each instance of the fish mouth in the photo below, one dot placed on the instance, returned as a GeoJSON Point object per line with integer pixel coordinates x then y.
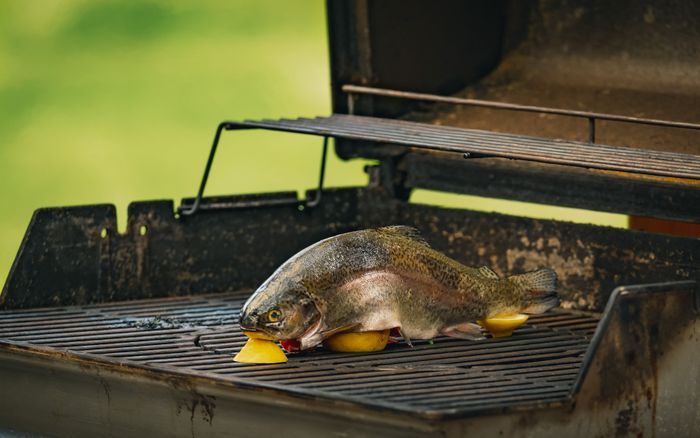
{"type": "Point", "coordinates": [268, 335]}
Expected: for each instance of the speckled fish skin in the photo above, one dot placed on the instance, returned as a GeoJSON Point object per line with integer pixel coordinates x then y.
{"type": "Point", "coordinates": [384, 278]}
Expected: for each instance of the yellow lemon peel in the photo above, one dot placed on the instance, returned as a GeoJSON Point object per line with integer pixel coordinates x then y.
{"type": "Point", "coordinates": [503, 325]}
{"type": "Point", "coordinates": [258, 335]}
{"type": "Point", "coordinates": [260, 348]}
{"type": "Point", "coordinates": [359, 342]}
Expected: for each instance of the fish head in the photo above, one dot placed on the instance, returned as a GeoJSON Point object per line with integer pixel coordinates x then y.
{"type": "Point", "coordinates": [282, 311]}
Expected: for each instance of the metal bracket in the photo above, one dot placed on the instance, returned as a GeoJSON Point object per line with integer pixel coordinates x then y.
{"type": "Point", "coordinates": [196, 206]}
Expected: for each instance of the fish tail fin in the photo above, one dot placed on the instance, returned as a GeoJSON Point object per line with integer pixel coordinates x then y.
{"type": "Point", "coordinates": [540, 290]}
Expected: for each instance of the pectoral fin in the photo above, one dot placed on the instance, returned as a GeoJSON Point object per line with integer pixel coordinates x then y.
{"type": "Point", "coordinates": [335, 331]}
{"type": "Point", "coordinates": [313, 336]}
{"type": "Point", "coordinates": [318, 332]}
{"type": "Point", "coordinates": [467, 330]}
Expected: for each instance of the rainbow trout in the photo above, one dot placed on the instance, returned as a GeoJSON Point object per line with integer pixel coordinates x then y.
{"type": "Point", "coordinates": [387, 278]}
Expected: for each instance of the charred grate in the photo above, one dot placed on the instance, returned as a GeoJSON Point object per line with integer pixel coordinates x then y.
{"type": "Point", "coordinates": [476, 143]}
{"type": "Point", "coordinates": [538, 365]}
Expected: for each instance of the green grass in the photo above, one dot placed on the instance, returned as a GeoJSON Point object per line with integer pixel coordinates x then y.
{"type": "Point", "coordinates": [115, 101]}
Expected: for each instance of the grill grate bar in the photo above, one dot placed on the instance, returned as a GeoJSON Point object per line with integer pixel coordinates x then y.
{"type": "Point", "coordinates": [451, 139]}
{"type": "Point", "coordinates": [538, 364]}
{"type": "Point", "coordinates": [36, 326]}
{"type": "Point", "coordinates": [441, 132]}
{"type": "Point", "coordinates": [107, 332]}
{"type": "Point", "coordinates": [125, 345]}
{"type": "Point", "coordinates": [459, 348]}
{"type": "Point", "coordinates": [475, 391]}
{"type": "Point", "coordinates": [322, 371]}
{"type": "Point", "coordinates": [445, 387]}
{"type": "Point", "coordinates": [462, 402]}
{"type": "Point", "coordinates": [170, 312]}
{"type": "Point", "coordinates": [161, 353]}
{"type": "Point", "coordinates": [428, 384]}
{"type": "Point", "coordinates": [444, 134]}
{"type": "Point", "coordinates": [568, 323]}
{"type": "Point", "coordinates": [452, 354]}
{"type": "Point", "coordinates": [391, 377]}
{"type": "Point", "coordinates": [551, 317]}
{"type": "Point", "coordinates": [38, 318]}
{"type": "Point", "coordinates": [445, 355]}
{"type": "Point", "coordinates": [135, 347]}
{"type": "Point", "coordinates": [121, 339]}
{"type": "Point", "coordinates": [385, 374]}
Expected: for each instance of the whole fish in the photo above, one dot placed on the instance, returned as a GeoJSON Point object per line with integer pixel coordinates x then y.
{"type": "Point", "coordinates": [386, 278]}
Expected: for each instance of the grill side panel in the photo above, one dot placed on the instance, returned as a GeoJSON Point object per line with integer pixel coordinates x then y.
{"type": "Point", "coordinates": [98, 369]}
{"type": "Point", "coordinates": [64, 260]}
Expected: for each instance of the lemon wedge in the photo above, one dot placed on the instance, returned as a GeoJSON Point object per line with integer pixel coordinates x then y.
{"type": "Point", "coordinates": [503, 325]}
{"type": "Point", "coordinates": [258, 335]}
{"type": "Point", "coordinates": [359, 342]}
{"type": "Point", "coordinates": [260, 348]}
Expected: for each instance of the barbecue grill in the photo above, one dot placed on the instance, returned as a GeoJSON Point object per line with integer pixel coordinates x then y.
{"type": "Point", "coordinates": [588, 104]}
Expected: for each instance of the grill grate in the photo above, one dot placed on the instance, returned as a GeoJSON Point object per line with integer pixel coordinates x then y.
{"type": "Point", "coordinates": [538, 365]}
{"type": "Point", "coordinates": [451, 139]}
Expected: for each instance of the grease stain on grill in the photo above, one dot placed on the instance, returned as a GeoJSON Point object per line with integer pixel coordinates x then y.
{"type": "Point", "coordinates": [199, 335]}
{"type": "Point", "coordinates": [164, 322]}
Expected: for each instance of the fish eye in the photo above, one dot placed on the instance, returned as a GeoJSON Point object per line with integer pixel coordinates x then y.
{"type": "Point", "coordinates": [274, 315]}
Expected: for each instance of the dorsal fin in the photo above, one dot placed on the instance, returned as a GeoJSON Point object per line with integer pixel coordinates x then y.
{"type": "Point", "coordinates": [405, 231]}
{"type": "Point", "coordinates": [488, 273]}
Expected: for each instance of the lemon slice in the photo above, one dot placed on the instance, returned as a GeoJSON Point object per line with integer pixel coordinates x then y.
{"type": "Point", "coordinates": [257, 335]}
{"type": "Point", "coordinates": [260, 348]}
{"type": "Point", "coordinates": [359, 342]}
{"type": "Point", "coordinates": [503, 325]}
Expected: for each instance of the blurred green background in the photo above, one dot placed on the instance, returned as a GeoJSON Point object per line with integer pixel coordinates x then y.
{"type": "Point", "coordinates": [114, 101]}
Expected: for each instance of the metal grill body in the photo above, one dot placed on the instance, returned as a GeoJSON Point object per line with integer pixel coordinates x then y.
{"type": "Point", "coordinates": [132, 334]}
{"type": "Point", "coordinates": [165, 366]}
{"type": "Point", "coordinates": [448, 377]}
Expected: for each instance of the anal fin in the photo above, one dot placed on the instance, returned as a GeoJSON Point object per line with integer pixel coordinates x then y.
{"type": "Point", "coordinates": [542, 305]}
{"type": "Point", "coordinates": [466, 330]}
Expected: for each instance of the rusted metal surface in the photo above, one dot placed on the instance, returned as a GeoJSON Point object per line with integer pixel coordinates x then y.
{"type": "Point", "coordinates": [76, 255]}
{"type": "Point", "coordinates": [458, 42]}
{"type": "Point", "coordinates": [631, 58]}
{"type": "Point", "coordinates": [553, 185]}
{"type": "Point", "coordinates": [640, 366]}
{"type": "Point", "coordinates": [89, 397]}
{"type": "Point", "coordinates": [642, 378]}
{"type": "Point", "coordinates": [638, 59]}
{"type": "Point", "coordinates": [64, 260]}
